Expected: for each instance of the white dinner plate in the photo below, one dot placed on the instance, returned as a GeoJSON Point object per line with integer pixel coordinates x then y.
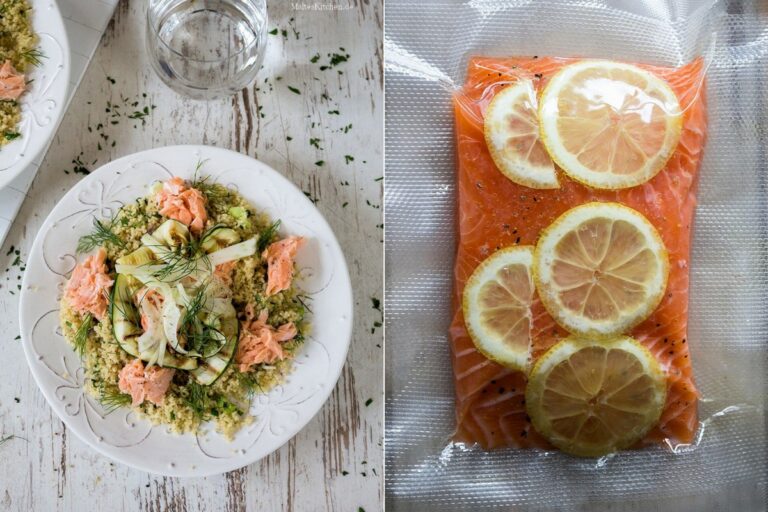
{"type": "Point", "coordinates": [42, 106]}
{"type": "Point", "coordinates": [121, 435]}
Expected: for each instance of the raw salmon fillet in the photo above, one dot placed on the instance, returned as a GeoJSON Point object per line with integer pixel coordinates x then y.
{"type": "Point", "coordinates": [495, 212]}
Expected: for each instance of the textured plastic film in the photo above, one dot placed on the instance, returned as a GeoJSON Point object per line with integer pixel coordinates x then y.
{"type": "Point", "coordinates": [509, 193]}
{"type": "Point", "coordinates": [427, 47]}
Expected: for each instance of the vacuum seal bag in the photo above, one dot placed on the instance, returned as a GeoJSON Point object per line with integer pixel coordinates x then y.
{"type": "Point", "coordinates": [628, 141]}
{"type": "Point", "coordinates": [528, 172]}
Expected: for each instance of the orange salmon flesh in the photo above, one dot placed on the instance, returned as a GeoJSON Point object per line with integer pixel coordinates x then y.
{"type": "Point", "coordinates": [495, 213]}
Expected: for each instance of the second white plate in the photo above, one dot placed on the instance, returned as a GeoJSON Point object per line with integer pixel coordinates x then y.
{"type": "Point", "coordinates": [42, 106]}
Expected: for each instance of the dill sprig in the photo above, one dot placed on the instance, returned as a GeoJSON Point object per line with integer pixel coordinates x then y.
{"type": "Point", "coordinates": [303, 303]}
{"type": "Point", "coordinates": [250, 382]}
{"type": "Point", "coordinates": [112, 398]}
{"type": "Point", "coordinates": [102, 234]}
{"type": "Point", "coordinates": [33, 56]}
{"type": "Point", "coordinates": [193, 308]}
{"type": "Point", "coordinates": [6, 439]}
{"type": "Point", "coordinates": [181, 261]}
{"type": "Point", "coordinates": [213, 192]}
{"type": "Point", "coordinates": [267, 236]}
{"type": "Point", "coordinates": [81, 336]}
{"type": "Point", "coordinates": [202, 337]}
{"type": "Point", "coordinates": [205, 338]}
{"type": "Point", "coordinates": [197, 398]}
{"type": "Point", "coordinates": [198, 166]}
{"type": "Point", "coordinates": [125, 309]}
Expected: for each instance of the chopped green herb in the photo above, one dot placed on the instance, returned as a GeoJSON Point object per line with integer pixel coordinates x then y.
{"type": "Point", "coordinates": [141, 114]}
{"type": "Point", "coordinates": [368, 402]}
{"type": "Point", "coordinates": [80, 167]}
{"type": "Point", "coordinates": [335, 60]}
{"type": "Point", "coordinates": [12, 135]}
{"type": "Point", "coordinates": [273, 32]}
{"type": "Point", "coordinates": [292, 24]}
{"type": "Point", "coordinates": [349, 158]}
{"type": "Point", "coordinates": [320, 163]}
{"type": "Point", "coordinates": [294, 90]}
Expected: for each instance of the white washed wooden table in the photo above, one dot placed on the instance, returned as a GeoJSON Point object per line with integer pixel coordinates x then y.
{"type": "Point", "coordinates": [327, 138]}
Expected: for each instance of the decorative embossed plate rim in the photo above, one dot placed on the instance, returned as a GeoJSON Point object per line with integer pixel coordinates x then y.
{"type": "Point", "coordinates": [42, 107]}
{"type": "Point", "coordinates": [281, 413]}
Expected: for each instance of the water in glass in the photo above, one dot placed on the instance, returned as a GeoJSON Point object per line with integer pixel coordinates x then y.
{"type": "Point", "coordinates": [206, 48]}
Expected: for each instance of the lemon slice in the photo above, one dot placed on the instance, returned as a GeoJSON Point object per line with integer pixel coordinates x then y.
{"type": "Point", "coordinates": [590, 398]}
{"type": "Point", "coordinates": [609, 125]}
{"type": "Point", "coordinates": [600, 269]}
{"type": "Point", "coordinates": [497, 306]}
{"type": "Point", "coordinates": [511, 132]}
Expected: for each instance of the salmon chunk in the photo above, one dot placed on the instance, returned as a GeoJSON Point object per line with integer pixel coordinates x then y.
{"type": "Point", "coordinates": [88, 288]}
{"type": "Point", "coordinates": [280, 256]}
{"type": "Point", "coordinates": [182, 203]}
{"type": "Point", "coordinates": [12, 83]}
{"type": "Point", "coordinates": [145, 383]}
{"type": "Point", "coordinates": [260, 342]}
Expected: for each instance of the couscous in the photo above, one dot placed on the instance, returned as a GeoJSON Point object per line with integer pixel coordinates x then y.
{"type": "Point", "coordinates": [185, 307]}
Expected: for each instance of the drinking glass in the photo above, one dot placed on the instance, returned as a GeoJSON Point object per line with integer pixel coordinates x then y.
{"type": "Point", "coordinates": [206, 49]}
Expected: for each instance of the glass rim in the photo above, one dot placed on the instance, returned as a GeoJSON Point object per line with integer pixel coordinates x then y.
{"type": "Point", "coordinates": [151, 26]}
